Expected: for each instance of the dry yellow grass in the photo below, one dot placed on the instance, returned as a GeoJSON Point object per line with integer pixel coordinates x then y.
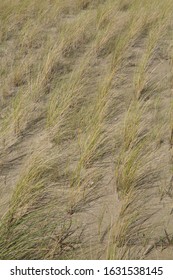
{"type": "Point", "coordinates": [86, 129]}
